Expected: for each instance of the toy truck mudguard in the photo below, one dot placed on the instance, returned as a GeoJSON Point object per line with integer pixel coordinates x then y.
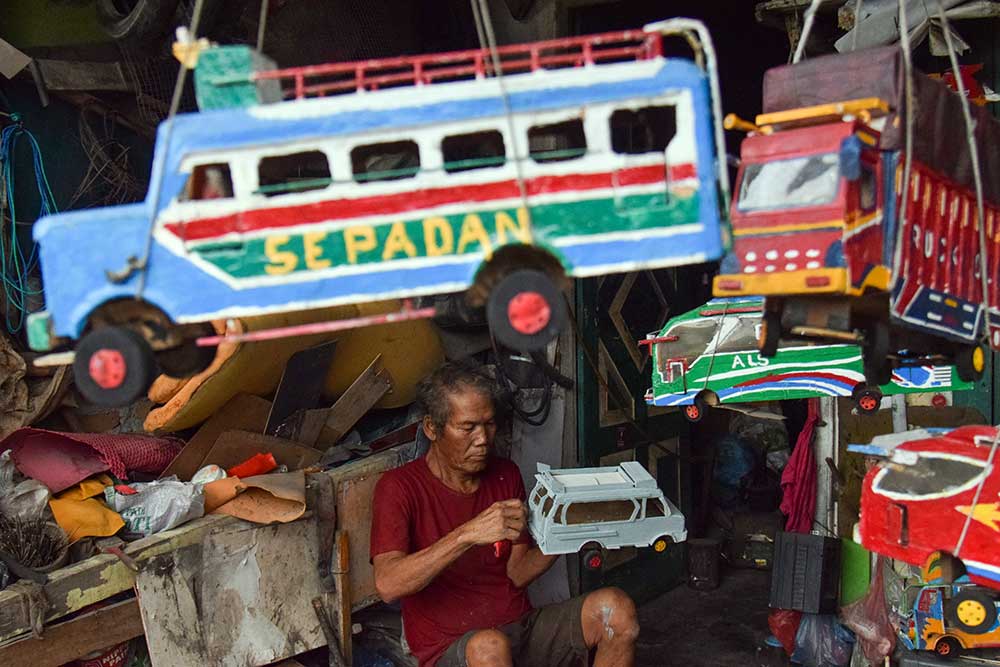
{"type": "Point", "coordinates": [915, 505]}
{"type": "Point", "coordinates": [709, 356]}
{"type": "Point", "coordinates": [591, 508]}
{"type": "Point", "coordinates": [405, 177]}
{"type": "Point", "coordinates": [816, 213]}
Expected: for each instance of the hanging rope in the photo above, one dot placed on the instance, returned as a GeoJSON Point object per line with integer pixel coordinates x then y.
{"type": "Point", "coordinates": [482, 13]}
{"type": "Point", "coordinates": [807, 26]}
{"type": "Point", "coordinates": [262, 25]}
{"type": "Point", "coordinates": [970, 135]}
{"type": "Point", "coordinates": [159, 167]}
{"type": "Point", "coordinates": [857, 25]}
{"type": "Point", "coordinates": [16, 268]}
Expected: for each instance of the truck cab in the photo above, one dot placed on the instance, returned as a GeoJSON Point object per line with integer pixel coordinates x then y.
{"type": "Point", "coordinates": [807, 213]}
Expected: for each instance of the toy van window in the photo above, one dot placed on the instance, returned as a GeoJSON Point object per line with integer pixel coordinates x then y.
{"type": "Point", "coordinates": [389, 161]}
{"type": "Point", "coordinates": [557, 142]}
{"type": "Point", "coordinates": [599, 512]}
{"type": "Point", "coordinates": [692, 339]}
{"type": "Point", "coordinates": [297, 172]}
{"type": "Point", "coordinates": [208, 181]}
{"type": "Point", "coordinates": [477, 150]}
{"type": "Point", "coordinates": [646, 130]}
{"type": "Point", "coordinates": [546, 506]}
{"type": "Point", "coordinates": [812, 180]}
{"type": "Point", "coordinates": [654, 507]}
{"type": "Point", "coordinates": [867, 189]}
{"type": "Point", "coordinates": [930, 476]}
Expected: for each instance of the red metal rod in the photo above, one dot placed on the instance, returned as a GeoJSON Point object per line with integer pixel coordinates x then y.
{"type": "Point", "coordinates": [404, 315]}
{"type": "Point", "coordinates": [661, 339]}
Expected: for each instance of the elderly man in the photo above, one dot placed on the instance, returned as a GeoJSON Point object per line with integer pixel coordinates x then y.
{"type": "Point", "coordinates": [449, 541]}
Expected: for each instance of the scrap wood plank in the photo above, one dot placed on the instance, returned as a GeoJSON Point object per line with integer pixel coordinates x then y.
{"type": "Point", "coordinates": [236, 599]}
{"type": "Point", "coordinates": [333, 423]}
{"type": "Point", "coordinates": [234, 447]}
{"type": "Point", "coordinates": [97, 578]}
{"type": "Point", "coordinates": [61, 643]}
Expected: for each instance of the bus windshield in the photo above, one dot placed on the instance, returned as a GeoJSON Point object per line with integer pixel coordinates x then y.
{"type": "Point", "coordinates": [692, 339]}
{"type": "Point", "coordinates": [792, 183]}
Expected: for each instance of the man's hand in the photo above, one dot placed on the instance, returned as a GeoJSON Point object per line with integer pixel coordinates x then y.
{"type": "Point", "coordinates": [503, 520]}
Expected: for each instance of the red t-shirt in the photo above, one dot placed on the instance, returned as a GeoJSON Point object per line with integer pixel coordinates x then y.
{"type": "Point", "coordinates": [412, 510]}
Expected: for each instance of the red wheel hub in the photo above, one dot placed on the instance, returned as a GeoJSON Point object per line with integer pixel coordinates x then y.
{"type": "Point", "coordinates": [868, 402]}
{"type": "Point", "coordinates": [692, 411]}
{"type": "Point", "coordinates": [107, 368]}
{"type": "Point", "coordinates": [529, 312]}
{"type": "Point", "coordinates": [594, 562]}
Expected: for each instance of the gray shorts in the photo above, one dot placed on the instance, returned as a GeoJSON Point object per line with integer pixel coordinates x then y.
{"type": "Point", "coordinates": [548, 637]}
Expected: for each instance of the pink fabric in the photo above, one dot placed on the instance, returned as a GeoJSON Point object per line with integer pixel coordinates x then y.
{"type": "Point", "coordinates": [60, 460]}
{"type": "Point", "coordinates": [798, 480]}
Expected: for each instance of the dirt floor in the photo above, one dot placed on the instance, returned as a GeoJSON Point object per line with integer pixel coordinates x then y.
{"type": "Point", "coordinates": [719, 628]}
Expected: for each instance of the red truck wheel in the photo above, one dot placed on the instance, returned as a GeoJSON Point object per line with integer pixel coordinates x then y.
{"type": "Point", "coordinates": [948, 647]}
{"type": "Point", "coordinates": [867, 399]}
{"type": "Point", "coordinates": [113, 366]}
{"type": "Point", "coordinates": [526, 311]}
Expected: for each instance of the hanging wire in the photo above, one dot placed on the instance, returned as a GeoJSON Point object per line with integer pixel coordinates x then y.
{"type": "Point", "coordinates": [807, 26]}
{"type": "Point", "coordinates": [16, 269]}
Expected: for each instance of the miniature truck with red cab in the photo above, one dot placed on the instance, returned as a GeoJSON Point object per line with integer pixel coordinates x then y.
{"type": "Point", "coordinates": [816, 215]}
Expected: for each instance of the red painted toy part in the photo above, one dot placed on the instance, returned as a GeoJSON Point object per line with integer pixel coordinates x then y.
{"type": "Point", "coordinates": [594, 562]}
{"type": "Point", "coordinates": [529, 313]}
{"type": "Point", "coordinates": [107, 368]}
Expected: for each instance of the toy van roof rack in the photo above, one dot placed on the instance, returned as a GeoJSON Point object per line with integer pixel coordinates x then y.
{"type": "Point", "coordinates": [865, 108]}
{"type": "Point", "coordinates": [369, 75]}
{"type": "Point", "coordinates": [595, 483]}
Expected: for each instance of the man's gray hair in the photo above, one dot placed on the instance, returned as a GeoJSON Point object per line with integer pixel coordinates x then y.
{"type": "Point", "coordinates": [451, 378]}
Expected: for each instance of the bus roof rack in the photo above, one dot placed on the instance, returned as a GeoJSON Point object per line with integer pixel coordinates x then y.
{"type": "Point", "coordinates": [369, 75]}
{"type": "Point", "coordinates": [865, 108]}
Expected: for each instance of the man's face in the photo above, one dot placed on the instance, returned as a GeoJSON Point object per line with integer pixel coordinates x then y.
{"type": "Point", "coordinates": [466, 439]}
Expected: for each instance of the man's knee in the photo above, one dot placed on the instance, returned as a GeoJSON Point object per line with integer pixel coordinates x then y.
{"type": "Point", "coordinates": [613, 611]}
{"type": "Point", "coordinates": [488, 648]}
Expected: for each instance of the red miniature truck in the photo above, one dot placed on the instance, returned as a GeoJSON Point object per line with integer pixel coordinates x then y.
{"type": "Point", "coordinates": [816, 223]}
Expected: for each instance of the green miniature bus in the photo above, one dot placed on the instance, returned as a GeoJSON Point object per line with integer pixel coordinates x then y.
{"type": "Point", "coordinates": [709, 356]}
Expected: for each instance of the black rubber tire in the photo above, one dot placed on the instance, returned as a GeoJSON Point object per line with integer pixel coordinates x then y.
{"type": "Point", "coordinates": [700, 406]}
{"type": "Point", "coordinates": [587, 554]}
{"type": "Point", "coordinates": [770, 333]}
{"type": "Point", "coordinates": [185, 360]}
{"type": "Point", "coordinates": [134, 22]}
{"type": "Point", "coordinates": [875, 353]}
{"type": "Point", "coordinates": [948, 648]}
{"type": "Point", "coordinates": [860, 396]}
{"type": "Point", "coordinates": [951, 611]}
{"type": "Point", "coordinates": [139, 363]}
{"type": "Point", "coordinates": [514, 283]}
{"type": "Point", "coordinates": [965, 365]}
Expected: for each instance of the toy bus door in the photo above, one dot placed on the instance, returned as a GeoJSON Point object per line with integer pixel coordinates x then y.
{"type": "Point", "coordinates": [209, 205]}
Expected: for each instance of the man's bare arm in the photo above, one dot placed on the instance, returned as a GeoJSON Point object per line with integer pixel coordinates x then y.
{"type": "Point", "coordinates": [398, 575]}
{"type": "Point", "coordinates": [527, 563]}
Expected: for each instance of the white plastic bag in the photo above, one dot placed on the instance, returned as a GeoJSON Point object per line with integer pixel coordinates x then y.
{"type": "Point", "coordinates": [158, 506]}
{"type": "Point", "coordinates": [27, 499]}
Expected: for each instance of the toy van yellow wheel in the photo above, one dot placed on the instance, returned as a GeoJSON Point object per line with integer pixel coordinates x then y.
{"type": "Point", "coordinates": [660, 544]}
{"type": "Point", "coordinates": [972, 611]}
{"type": "Point", "coordinates": [948, 647]}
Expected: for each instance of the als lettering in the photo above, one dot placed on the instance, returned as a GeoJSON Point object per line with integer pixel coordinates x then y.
{"type": "Point", "coordinates": [751, 360]}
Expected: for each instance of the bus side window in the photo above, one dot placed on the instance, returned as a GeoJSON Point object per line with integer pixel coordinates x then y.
{"type": "Point", "coordinates": [600, 511]}
{"type": "Point", "coordinates": [645, 130]}
{"type": "Point", "coordinates": [388, 161]}
{"type": "Point", "coordinates": [477, 150]}
{"type": "Point", "coordinates": [557, 142]}
{"type": "Point", "coordinates": [296, 172]}
{"type": "Point", "coordinates": [208, 181]}
{"type": "Point", "coordinates": [869, 198]}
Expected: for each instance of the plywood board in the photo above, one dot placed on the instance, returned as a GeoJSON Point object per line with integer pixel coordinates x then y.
{"type": "Point", "coordinates": [233, 447]}
{"type": "Point", "coordinates": [236, 600]}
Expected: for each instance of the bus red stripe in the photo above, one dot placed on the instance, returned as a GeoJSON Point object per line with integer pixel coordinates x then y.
{"type": "Point", "coordinates": [345, 209]}
{"type": "Point", "coordinates": [794, 374]}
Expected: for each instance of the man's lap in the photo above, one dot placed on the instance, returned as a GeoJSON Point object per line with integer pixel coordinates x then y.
{"type": "Point", "coordinates": [551, 636]}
